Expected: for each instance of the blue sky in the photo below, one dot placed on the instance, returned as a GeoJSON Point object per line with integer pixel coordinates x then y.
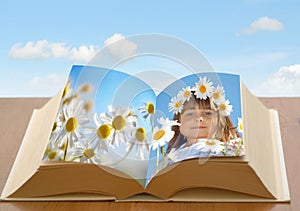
{"type": "Point", "coordinates": [257, 39]}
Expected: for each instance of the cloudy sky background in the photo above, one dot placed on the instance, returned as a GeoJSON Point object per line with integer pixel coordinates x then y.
{"type": "Point", "coordinates": [257, 39]}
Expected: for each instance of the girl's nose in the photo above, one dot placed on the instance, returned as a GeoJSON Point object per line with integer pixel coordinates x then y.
{"type": "Point", "coordinates": [200, 119]}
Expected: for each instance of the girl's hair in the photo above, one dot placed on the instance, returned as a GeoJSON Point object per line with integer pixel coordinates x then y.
{"type": "Point", "coordinates": [225, 130]}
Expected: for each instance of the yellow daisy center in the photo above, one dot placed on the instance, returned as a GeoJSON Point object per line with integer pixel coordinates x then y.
{"type": "Point", "coordinates": [140, 134]}
{"type": "Point", "coordinates": [66, 90]}
{"type": "Point", "coordinates": [67, 100]}
{"type": "Point", "coordinates": [103, 131]}
{"type": "Point", "coordinates": [216, 95]}
{"type": "Point", "coordinates": [52, 155]}
{"type": "Point", "coordinates": [222, 107]}
{"type": "Point", "coordinates": [63, 146]}
{"type": "Point", "coordinates": [54, 126]}
{"type": "Point", "coordinates": [71, 124]}
{"type": "Point", "coordinates": [241, 126]}
{"type": "Point", "coordinates": [202, 89]}
{"type": "Point", "coordinates": [159, 134]}
{"type": "Point", "coordinates": [150, 108]}
{"type": "Point", "coordinates": [86, 88]}
{"type": "Point", "coordinates": [130, 113]}
{"type": "Point", "coordinates": [210, 143]}
{"type": "Point", "coordinates": [187, 94]}
{"type": "Point", "coordinates": [87, 106]}
{"type": "Point", "coordinates": [48, 150]}
{"type": "Point", "coordinates": [63, 118]}
{"type": "Point", "coordinates": [89, 152]}
{"type": "Point", "coordinates": [178, 104]}
{"type": "Point", "coordinates": [119, 122]}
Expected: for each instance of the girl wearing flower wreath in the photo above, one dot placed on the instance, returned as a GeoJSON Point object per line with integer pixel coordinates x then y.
{"type": "Point", "coordinates": [205, 126]}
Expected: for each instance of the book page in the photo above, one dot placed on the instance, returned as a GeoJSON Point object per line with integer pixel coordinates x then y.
{"type": "Point", "coordinates": [263, 141]}
{"type": "Point", "coordinates": [32, 147]}
{"type": "Point", "coordinates": [105, 118]}
{"type": "Point", "coordinates": [200, 116]}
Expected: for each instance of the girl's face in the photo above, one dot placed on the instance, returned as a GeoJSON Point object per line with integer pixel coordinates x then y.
{"type": "Point", "coordinates": [199, 123]}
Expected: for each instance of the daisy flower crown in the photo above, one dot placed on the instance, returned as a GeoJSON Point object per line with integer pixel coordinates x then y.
{"type": "Point", "coordinates": [202, 90]}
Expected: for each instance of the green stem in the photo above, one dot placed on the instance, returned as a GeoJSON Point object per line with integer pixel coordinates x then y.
{"type": "Point", "coordinates": [66, 149]}
{"type": "Point", "coordinates": [162, 151]}
{"type": "Point", "coordinates": [163, 155]}
{"type": "Point", "coordinates": [74, 158]}
{"type": "Point", "coordinates": [157, 159]}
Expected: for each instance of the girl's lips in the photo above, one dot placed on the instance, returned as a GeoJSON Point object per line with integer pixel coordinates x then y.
{"type": "Point", "coordinates": [198, 127]}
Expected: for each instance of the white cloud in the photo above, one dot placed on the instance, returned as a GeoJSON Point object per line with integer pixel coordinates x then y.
{"type": "Point", "coordinates": [120, 47]}
{"type": "Point", "coordinates": [263, 24]}
{"type": "Point", "coordinates": [42, 49]}
{"type": "Point", "coordinates": [47, 85]}
{"type": "Point", "coordinates": [59, 50]}
{"type": "Point", "coordinates": [30, 50]}
{"type": "Point", "coordinates": [83, 53]}
{"type": "Point", "coordinates": [285, 82]}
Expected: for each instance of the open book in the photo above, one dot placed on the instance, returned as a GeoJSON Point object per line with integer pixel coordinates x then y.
{"type": "Point", "coordinates": [109, 136]}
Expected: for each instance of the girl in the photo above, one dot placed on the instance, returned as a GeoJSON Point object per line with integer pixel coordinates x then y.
{"type": "Point", "coordinates": [202, 131]}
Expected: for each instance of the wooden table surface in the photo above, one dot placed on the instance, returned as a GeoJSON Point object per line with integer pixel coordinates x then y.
{"type": "Point", "coordinates": [15, 114]}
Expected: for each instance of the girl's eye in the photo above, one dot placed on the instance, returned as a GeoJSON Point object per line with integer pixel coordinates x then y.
{"type": "Point", "coordinates": [189, 114]}
{"type": "Point", "coordinates": [208, 113]}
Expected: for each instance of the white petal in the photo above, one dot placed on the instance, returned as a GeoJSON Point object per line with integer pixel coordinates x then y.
{"type": "Point", "coordinates": [106, 118]}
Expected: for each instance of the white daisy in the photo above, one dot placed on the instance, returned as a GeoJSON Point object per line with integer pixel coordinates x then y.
{"type": "Point", "coordinates": [88, 105]}
{"type": "Point", "coordinates": [71, 121]}
{"type": "Point", "coordinates": [234, 141]}
{"type": "Point", "coordinates": [74, 128]}
{"type": "Point", "coordinates": [234, 147]}
{"type": "Point", "coordinates": [67, 89]}
{"type": "Point", "coordinates": [164, 134]}
{"type": "Point", "coordinates": [84, 152]}
{"type": "Point", "coordinates": [148, 111]}
{"type": "Point", "coordinates": [185, 94]}
{"type": "Point", "coordinates": [160, 137]}
{"type": "Point", "coordinates": [57, 125]}
{"type": "Point", "coordinates": [166, 123]}
{"type": "Point", "coordinates": [218, 94]}
{"type": "Point", "coordinates": [176, 105]}
{"type": "Point", "coordinates": [84, 88]}
{"type": "Point", "coordinates": [240, 125]}
{"type": "Point", "coordinates": [138, 139]}
{"type": "Point", "coordinates": [69, 95]}
{"type": "Point", "coordinates": [225, 108]}
{"type": "Point", "coordinates": [53, 153]}
{"type": "Point", "coordinates": [60, 118]}
{"type": "Point", "coordinates": [213, 146]}
{"type": "Point", "coordinates": [121, 122]}
{"type": "Point", "coordinates": [102, 134]}
{"type": "Point", "coordinates": [203, 88]}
